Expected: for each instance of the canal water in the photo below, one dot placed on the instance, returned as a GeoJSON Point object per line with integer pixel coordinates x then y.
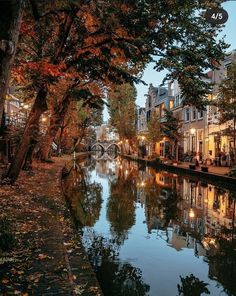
{"type": "Point", "coordinates": [154, 233]}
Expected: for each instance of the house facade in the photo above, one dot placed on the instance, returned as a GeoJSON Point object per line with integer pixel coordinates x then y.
{"type": "Point", "coordinates": [203, 136]}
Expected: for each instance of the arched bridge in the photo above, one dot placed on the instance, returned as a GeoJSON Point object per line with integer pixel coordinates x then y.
{"type": "Point", "coordinates": [105, 147]}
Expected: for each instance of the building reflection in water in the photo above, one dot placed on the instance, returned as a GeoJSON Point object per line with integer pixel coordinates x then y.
{"type": "Point", "coordinates": [184, 212]}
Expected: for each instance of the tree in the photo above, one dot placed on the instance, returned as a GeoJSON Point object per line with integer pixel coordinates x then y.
{"type": "Point", "coordinates": [10, 20]}
{"type": "Point", "coordinates": [171, 129]}
{"type": "Point", "coordinates": [99, 39]}
{"type": "Point", "coordinates": [192, 286]}
{"type": "Point", "coordinates": [89, 98]}
{"type": "Point", "coordinates": [226, 102]}
{"type": "Point", "coordinates": [122, 110]}
{"type": "Point", "coordinates": [154, 131]}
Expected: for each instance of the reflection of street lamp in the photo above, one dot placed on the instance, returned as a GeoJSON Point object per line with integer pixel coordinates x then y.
{"type": "Point", "coordinates": [192, 132]}
{"type": "Point", "coordinates": [142, 184]}
{"type": "Point", "coordinates": [191, 213]}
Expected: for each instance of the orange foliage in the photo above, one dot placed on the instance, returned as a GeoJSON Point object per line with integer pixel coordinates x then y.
{"type": "Point", "coordinates": [27, 29]}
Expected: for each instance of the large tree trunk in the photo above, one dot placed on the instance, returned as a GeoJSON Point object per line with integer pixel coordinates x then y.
{"type": "Point", "coordinates": [39, 107]}
{"type": "Point", "coordinates": [56, 122]}
{"type": "Point", "coordinates": [10, 20]}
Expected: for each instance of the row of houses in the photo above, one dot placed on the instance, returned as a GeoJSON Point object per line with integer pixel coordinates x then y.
{"type": "Point", "coordinates": [203, 135]}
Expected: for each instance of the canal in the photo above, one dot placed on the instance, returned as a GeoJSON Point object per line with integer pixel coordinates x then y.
{"type": "Point", "coordinates": [155, 233]}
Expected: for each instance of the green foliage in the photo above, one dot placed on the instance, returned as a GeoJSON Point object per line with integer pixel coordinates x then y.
{"type": "Point", "coordinates": [171, 127]}
{"type": "Point", "coordinates": [154, 128]}
{"type": "Point", "coordinates": [192, 286]}
{"type": "Point", "coordinates": [226, 102]}
{"type": "Point", "coordinates": [7, 236]}
{"type": "Point", "coordinates": [122, 109]}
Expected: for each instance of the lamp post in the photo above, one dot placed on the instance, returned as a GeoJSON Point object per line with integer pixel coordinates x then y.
{"type": "Point", "coordinates": [192, 132]}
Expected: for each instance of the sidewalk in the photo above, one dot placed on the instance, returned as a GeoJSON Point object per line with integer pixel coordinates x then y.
{"type": "Point", "coordinates": [47, 257]}
{"type": "Point", "coordinates": [211, 169]}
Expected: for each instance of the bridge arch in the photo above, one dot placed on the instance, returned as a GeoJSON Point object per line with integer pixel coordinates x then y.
{"type": "Point", "coordinates": [98, 144]}
{"type": "Point", "coordinates": [113, 144]}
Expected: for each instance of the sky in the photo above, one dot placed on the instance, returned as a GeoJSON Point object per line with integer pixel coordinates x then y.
{"type": "Point", "coordinates": [154, 77]}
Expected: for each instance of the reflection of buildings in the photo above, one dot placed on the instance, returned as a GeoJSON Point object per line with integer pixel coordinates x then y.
{"type": "Point", "coordinates": [105, 169]}
{"type": "Point", "coordinates": [198, 215]}
{"type": "Point", "coordinates": [104, 132]}
{"type": "Point", "coordinates": [180, 240]}
{"type": "Point", "coordinates": [211, 208]}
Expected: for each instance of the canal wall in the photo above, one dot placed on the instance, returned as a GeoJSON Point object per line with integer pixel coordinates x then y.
{"type": "Point", "coordinates": [213, 178]}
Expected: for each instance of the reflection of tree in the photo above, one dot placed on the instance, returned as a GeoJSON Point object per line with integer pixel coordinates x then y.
{"type": "Point", "coordinates": [161, 206]}
{"type": "Point", "coordinates": [222, 265]}
{"type": "Point", "coordinates": [116, 278]}
{"type": "Point", "coordinates": [85, 199]}
{"type": "Point", "coordinates": [121, 207]}
{"type": "Point", "coordinates": [170, 204]}
{"type": "Point", "coordinates": [192, 286]}
{"type": "Point", "coordinates": [86, 204]}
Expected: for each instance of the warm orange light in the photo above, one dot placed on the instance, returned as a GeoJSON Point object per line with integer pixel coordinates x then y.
{"type": "Point", "coordinates": [192, 131]}
{"type": "Point", "coordinates": [142, 184]}
{"type": "Point", "coordinates": [26, 106]}
{"type": "Point", "coordinates": [191, 213]}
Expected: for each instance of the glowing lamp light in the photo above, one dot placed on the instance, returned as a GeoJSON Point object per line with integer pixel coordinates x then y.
{"type": "Point", "coordinates": [143, 138]}
{"type": "Point", "coordinates": [142, 184]}
{"type": "Point", "coordinates": [44, 119]}
{"type": "Point", "coordinates": [26, 106]}
{"type": "Point", "coordinates": [191, 213]}
{"type": "Point", "coordinates": [192, 131]}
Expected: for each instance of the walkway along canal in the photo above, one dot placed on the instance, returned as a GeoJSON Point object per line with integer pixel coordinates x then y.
{"type": "Point", "coordinates": [150, 232]}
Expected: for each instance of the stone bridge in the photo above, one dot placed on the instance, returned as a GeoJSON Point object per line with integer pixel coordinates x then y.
{"type": "Point", "coordinates": [105, 146]}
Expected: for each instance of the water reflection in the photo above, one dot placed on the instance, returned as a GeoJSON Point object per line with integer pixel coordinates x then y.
{"type": "Point", "coordinates": [154, 233]}
{"type": "Point", "coordinates": [116, 278]}
{"type": "Point", "coordinates": [85, 198]}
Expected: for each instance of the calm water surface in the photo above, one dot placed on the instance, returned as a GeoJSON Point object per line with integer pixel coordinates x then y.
{"type": "Point", "coordinates": [153, 233]}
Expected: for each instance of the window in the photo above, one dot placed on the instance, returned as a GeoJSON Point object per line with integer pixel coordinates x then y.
{"type": "Point", "coordinates": [227, 70]}
{"type": "Point", "coordinates": [200, 114]}
{"type": "Point", "coordinates": [194, 114]}
{"type": "Point", "coordinates": [162, 107]}
{"type": "Point", "coordinates": [187, 114]}
{"type": "Point", "coordinates": [171, 104]}
{"type": "Point", "coordinates": [177, 100]}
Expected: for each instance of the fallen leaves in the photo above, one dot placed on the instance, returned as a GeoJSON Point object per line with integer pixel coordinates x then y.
{"type": "Point", "coordinates": [42, 232]}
